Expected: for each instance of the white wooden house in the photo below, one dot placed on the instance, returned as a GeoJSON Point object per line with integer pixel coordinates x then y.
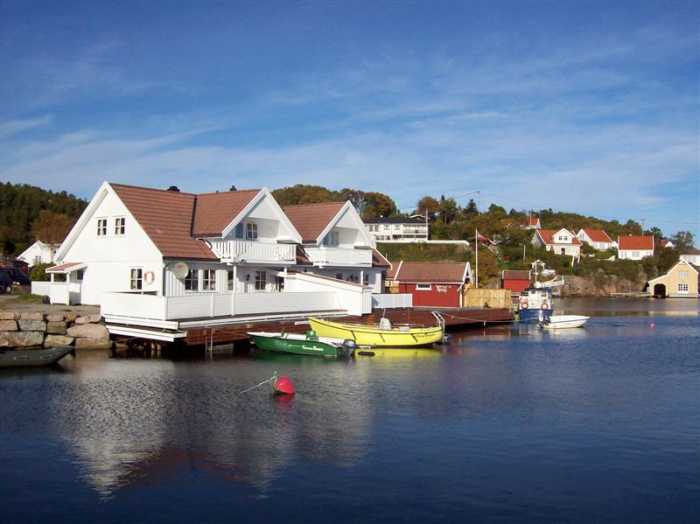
{"type": "Point", "coordinates": [561, 242]}
{"type": "Point", "coordinates": [336, 243]}
{"type": "Point", "coordinates": [160, 261]}
{"type": "Point", "coordinates": [39, 253]}
{"type": "Point", "coordinates": [596, 238]}
{"type": "Point", "coordinates": [635, 247]}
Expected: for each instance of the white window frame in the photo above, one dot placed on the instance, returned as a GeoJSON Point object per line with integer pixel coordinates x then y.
{"type": "Point", "coordinates": [251, 231]}
{"type": "Point", "coordinates": [136, 279]}
{"type": "Point", "coordinates": [332, 239]}
{"type": "Point", "coordinates": [119, 226]}
{"type": "Point", "coordinates": [209, 279]}
{"type": "Point", "coordinates": [260, 281]}
{"type": "Point", "coordinates": [683, 288]}
{"type": "Point", "coordinates": [229, 280]}
{"type": "Point", "coordinates": [193, 279]}
{"type": "Point", "coordinates": [101, 227]}
{"type": "Point", "coordinates": [424, 287]}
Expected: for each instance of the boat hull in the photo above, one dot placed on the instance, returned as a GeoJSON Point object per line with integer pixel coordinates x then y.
{"type": "Point", "coordinates": [279, 343]}
{"type": "Point", "coordinates": [534, 316]}
{"type": "Point", "coordinates": [26, 358]}
{"type": "Point", "coordinates": [371, 336]}
{"type": "Point", "coordinates": [565, 322]}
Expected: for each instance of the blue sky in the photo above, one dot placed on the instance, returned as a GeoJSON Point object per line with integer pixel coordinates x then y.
{"type": "Point", "coordinates": [581, 106]}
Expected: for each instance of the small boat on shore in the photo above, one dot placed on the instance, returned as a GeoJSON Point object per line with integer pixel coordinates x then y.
{"type": "Point", "coordinates": [564, 322]}
{"type": "Point", "coordinates": [16, 358]}
{"type": "Point", "coordinates": [384, 335]}
{"type": "Point", "coordinates": [307, 344]}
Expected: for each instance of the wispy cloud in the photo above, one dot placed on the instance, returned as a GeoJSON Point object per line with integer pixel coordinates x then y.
{"type": "Point", "coordinates": [11, 128]}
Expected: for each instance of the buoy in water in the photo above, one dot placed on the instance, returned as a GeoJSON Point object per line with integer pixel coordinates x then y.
{"type": "Point", "coordinates": [283, 386]}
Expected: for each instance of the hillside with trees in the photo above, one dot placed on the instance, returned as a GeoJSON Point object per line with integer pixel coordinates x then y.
{"type": "Point", "coordinates": [28, 213]}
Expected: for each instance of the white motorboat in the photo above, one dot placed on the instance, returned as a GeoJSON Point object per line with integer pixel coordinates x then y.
{"type": "Point", "coordinates": [564, 322]}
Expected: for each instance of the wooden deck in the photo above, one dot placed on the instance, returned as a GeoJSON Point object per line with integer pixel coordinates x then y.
{"type": "Point", "coordinates": [455, 318]}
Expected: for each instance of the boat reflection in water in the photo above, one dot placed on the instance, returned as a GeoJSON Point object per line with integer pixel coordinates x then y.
{"type": "Point", "coordinates": [128, 422]}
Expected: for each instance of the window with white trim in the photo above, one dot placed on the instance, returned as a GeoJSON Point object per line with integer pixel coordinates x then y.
{"type": "Point", "coordinates": [229, 279]}
{"type": "Point", "coordinates": [332, 239]}
{"type": "Point", "coordinates": [136, 278]}
{"type": "Point", "coordinates": [260, 280]}
{"type": "Point", "coordinates": [101, 227]}
{"type": "Point", "coordinates": [280, 283]}
{"type": "Point", "coordinates": [424, 287]}
{"type": "Point", "coordinates": [119, 226]}
{"type": "Point", "coordinates": [682, 275]}
{"type": "Point", "coordinates": [683, 287]}
{"type": "Point", "coordinates": [251, 231]}
{"type": "Point", "coordinates": [209, 280]}
{"type": "Point", "coordinates": [238, 233]}
{"type": "Point", "coordinates": [192, 280]}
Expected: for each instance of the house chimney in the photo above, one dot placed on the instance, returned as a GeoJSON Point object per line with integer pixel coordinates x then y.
{"type": "Point", "coordinates": [175, 189]}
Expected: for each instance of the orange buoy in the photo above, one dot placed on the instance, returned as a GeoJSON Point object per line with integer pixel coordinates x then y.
{"type": "Point", "coordinates": [283, 386]}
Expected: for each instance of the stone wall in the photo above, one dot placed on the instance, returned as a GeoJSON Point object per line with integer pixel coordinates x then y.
{"type": "Point", "coordinates": [37, 329]}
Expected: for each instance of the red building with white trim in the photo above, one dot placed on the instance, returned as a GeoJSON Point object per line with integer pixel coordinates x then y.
{"type": "Point", "coordinates": [517, 280]}
{"type": "Point", "coordinates": [432, 284]}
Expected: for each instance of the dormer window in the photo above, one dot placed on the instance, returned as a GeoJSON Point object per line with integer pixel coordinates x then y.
{"type": "Point", "coordinates": [101, 227]}
{"type": "Point", "coordinates": [331, 239]}
{"type": "Point", "coordinates": [251, 231]}
{"type": "Point", "coordinates": [119, 226]}
{"type": "Point", "coordinates": [239, 230]}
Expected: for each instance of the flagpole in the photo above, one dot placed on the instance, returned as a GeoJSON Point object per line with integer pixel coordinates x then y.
{"type": "Point", "coordinates": [476, 239]}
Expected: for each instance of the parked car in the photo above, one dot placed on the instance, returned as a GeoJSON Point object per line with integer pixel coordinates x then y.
{"type": "Point", "coordinates": [10, 276]}
{"type": "Point", "coordinates": [5, 281]}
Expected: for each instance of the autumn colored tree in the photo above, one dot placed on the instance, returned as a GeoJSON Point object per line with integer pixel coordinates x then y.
{"type": "Point", "coordinates": [429, 204]}
{"type": "Point", "coordinates": [51, 227]}
{"type": "Point", "coordinates": [378, 205]}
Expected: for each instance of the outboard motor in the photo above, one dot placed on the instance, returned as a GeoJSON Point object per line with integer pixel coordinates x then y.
{"type": "Point", "coordinates": [349, 347]}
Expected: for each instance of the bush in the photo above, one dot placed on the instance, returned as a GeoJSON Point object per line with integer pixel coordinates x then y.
{"type": "Point", "coordinates": [38, 273]}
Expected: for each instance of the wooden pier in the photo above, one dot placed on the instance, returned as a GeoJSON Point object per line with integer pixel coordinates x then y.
{"type": "Point", "coordinates": [455, 319]}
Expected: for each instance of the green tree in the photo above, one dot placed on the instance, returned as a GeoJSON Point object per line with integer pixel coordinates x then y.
{"type": "Point", "coordinates": [683, 240]}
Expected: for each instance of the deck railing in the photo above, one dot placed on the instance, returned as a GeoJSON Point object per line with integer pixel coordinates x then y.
{"type": "Point", "coordinates": [339, 256]}
{"type": "Point", "coordinates": [253, 251]}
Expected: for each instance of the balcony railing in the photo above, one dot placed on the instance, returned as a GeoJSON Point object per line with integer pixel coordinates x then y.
{"type": "Point", "coordinates": [253, 251]}
{"type": "Point", "coordinates": [339, 256]}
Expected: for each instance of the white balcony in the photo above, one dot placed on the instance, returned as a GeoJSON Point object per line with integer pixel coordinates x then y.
{"type": "Point", "coordinates": [339, 256]}
{"type": "Point", "coordinates": [254, 252]}
{"type": "Point", "coordinates": [212, 305]}
{"type": "Point", "coordinates": [391, 300]}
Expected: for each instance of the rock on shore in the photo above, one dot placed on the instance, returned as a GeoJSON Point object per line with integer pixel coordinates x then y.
{"type": "Point", "coordinates": [36, 329]}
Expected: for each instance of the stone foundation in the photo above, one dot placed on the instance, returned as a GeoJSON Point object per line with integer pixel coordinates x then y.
{"type": "Point", "coordinates": [35, 329]}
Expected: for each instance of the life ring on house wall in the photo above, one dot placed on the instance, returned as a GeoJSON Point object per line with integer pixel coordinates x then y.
{"type": "Point", "coordinates": [149, 277]}
{"type": "Point", "coordinates": [523, 303]}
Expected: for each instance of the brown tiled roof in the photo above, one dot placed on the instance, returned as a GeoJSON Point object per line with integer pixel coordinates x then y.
{"type": "Point", "coordinates": [214, 211]}
{"type": "Point", "coordinates": [311, 219]}
{"type": "Point", "coordinates": [302, 257]}
{"type": "Point", "coordinates": [640, 242]}
{"type": "Point", "coordinates": [547, 236]}
{"type": "Point", "coordinates": [63, 268]}
{"type": "Point", "coordinates": [516, 274]}
{"type": "Point", "coordinates": [378, 260]}
{"type": "Point", "coordinates": [598, 235]}
{"type": "Point", "coordinates": [434, 272]}
{"type": "Point", "coordinates": [166, 217]}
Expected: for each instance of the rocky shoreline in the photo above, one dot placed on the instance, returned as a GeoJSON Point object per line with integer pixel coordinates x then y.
{"type": "Point", "coordinates": [34, 329]}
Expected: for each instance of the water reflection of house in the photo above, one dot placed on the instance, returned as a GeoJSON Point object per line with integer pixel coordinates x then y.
{"type": "Point", "coordinates": [147, 421]}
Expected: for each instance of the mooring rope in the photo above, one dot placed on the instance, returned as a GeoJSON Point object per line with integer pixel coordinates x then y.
{"type": "Point", "coordinates": [271, 379]}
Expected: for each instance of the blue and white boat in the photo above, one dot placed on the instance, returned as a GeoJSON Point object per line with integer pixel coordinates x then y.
{"type": "Point", "coordinates": [535, 305]}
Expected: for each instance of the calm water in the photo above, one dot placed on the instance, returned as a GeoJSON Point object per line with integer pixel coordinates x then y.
{"type": "Point", "coordinates": [601, 424]}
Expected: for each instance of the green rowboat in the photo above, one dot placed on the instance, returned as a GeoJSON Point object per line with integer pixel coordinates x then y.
{"type": "Point", "coordinates": [307, 344]}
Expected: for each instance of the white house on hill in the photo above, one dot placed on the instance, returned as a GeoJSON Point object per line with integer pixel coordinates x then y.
{"type": "Point", "coordinates": [561, 242]}
{"type": "Point", "coordinates": [635, 247]}
{"type": "Point", "coordinates": [164, 260]}
{"type": "Point", "coordinates": [596, 238]}
{"type": "Point", "coordinates": [39, 253]}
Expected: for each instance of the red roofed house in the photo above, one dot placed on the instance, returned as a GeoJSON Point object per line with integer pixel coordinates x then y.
{"type": "Point", "coordinates": [337, 243]}
{"type": "Point", "coordinates": [561, 242]}
{"type": "Point", "coordinates": [596, 238]}
{"type": "Point", "coordinates": [532, 222]}
{"type": "Point", "coordinates": [432, 284]}
{"type": "Point", "coordinates": [635, 247]}
{"type": "Point", "coordinates": [151, 257]}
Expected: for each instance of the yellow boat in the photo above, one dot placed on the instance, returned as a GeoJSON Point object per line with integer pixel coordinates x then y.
{"type": "Point", "coordinates": [373, 336]}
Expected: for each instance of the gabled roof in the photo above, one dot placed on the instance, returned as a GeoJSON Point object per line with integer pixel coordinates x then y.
{"type": "Point", "coordinates": [379, 260]}
{"type": "Point", "coordinates": [431, 272]}
{"type": "Point", "coordinates": [597, 235]}
{"type": "Point", "coordinates": [311, 219]}
{"type": "Point", "coordinates": [214, 211]}
{"type": "Point", "coordinates": [691, 251]}
{"type": "Point", "coordinates": [547, 236]}
{"type": "Point", "coordinates": [533, 220]}
{"type": "Point", "coordinates": [166, 217]}
{"type": "Point", "coordinates": [635, 242]}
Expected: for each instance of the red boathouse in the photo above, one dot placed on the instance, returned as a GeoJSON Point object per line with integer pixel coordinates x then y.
{"type": "Point", "coordinates": [515, 280]}
{"type": "Point", "coordinates": [432, 284]}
